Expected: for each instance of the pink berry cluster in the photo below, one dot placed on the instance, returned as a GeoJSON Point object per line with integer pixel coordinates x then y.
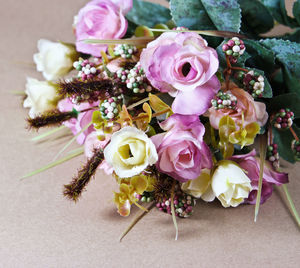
{"type": "Point", "coordinates": [234, 48]}
{"type": "Point", "coordinates": [253, 82]}
{"type": "Point", "coordinates": [86, 69]}
{"type": "Point", "coordinates": [224, 100]}
{"type": "Point", "coordinates": [272, 154]}
{"type": "Point", "coordinates": [183, 204]}
{"type": "Point", "coordinates": [296, 149]}
{"type": "Point", "coordinates": [283, 119]}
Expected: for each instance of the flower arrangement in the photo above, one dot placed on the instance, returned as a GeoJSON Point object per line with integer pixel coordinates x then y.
{"type": "Point", "coordinates": [171, 114]}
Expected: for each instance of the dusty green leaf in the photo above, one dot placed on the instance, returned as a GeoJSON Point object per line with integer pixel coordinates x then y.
{"type": "Point", "coordinates": [225, 14]}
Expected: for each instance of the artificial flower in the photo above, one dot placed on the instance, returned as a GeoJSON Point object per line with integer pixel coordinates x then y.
{"type": "Point", "coordinates": [127, 195]}
{"type": "Point", "coordinates": [184, 66]}
{"type": "Point", "coordinates": [247, 110]}
{"type": "Point", "coordinates": [130, 151]}
{"type": "Point", "coordinates": [182, 153]}
{"type": "Point", "coordinates": [54, 59]}
{"type": "Point", "coordinates": [101, 19]}
{"type": "Point", "coordinates": [250, 163]}
{"type": "Point", "coordinates": [230, 134]}
{"type": "Point", "coordinates": [200, 187]}
{"type": "Point", "coordinates": [41, 96]}
{"type": "Point", "coordinates": [230, 184]}
{"type": "Point", "coordinates": [82, 120]}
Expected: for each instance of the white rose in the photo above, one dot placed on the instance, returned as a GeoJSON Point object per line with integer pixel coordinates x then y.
{"type": "Point", "coordinates": [129, 152]}
{"type": "Point", "coordinates": [41, 96]}
{"type": "Point", "coordinates": [54, 59]}
{"type": "Point", "coordinates": [200, 187]}
{"type": "Point", "coordinates": [230, 184]}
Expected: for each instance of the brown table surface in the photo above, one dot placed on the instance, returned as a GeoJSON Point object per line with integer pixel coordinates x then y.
{"type": "Point", "coordinates": [40, 228]}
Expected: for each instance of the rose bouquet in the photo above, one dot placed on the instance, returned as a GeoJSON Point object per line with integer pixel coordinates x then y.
{"type": "Point", "coordinates": [171, 114]}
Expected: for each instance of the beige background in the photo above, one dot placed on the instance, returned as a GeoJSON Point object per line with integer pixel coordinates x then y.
{"type": "Point", "coordinates": [39, 228]}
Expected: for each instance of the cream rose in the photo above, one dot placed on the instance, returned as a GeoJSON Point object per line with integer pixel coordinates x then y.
{"type": "Point", "coordinates": [129, 152]}
{"type": "Point", "coordinates": [230, 184]}
{"type": "Point", "coordinates": [41, 96]}
{"type": "Point", "coordinates": [54, 59]}
{"type": "Point", "coordinates": [200, 187]}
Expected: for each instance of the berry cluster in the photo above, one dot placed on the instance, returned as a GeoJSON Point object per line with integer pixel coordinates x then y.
{"type": "Point", "coordinates": [109, 108]}
{"type": "Point", "coordinates": [253, 82]}
{"type": "Point", "coordinates": [183, 204]}
{"type": "Point", "coordinates": [145, 197]}
{"type": "Point", "coordinates": [234, 48]}
{"type": "Point", "coordinates": [272, 154]}
{"type": "Point", "coordinates": [283, 119]}
{"type": "Point", "coordinates": [224, 100]}
{"type": "Point", "coordinates": [134, 78]}
{"type": "Point", "coordinates": [86, 69]}
{"type": "Point", "coordinates": [125, 51]}
{"type": "Point", "coordinates": [296, 149]}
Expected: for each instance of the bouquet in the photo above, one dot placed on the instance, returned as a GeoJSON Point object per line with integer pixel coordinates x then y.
{"type": "Point", "coordinates": [170, 102]}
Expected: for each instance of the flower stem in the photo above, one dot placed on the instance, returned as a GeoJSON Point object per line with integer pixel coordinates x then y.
{"type": "Point", "coordinates": [139, 216]}
{"type": "Point", "coordinates": [55, 163]}
{"type": "Point", "coordinates": [139, 206]}
{"type": "Point", "coordinates": [294, 134]}
{"type": "Point", "coordinates": [173, 210]}
{"type": "Point", "coordinates": [48, 133]}
{"type": "Point", "coordinates": [263, 150]}
{"type": "Point", "coordinates": [240, 69]}
{"type": "Point", "coordinates": [72, 140]}
{"type": "Point", "coordinates": [291, 203]}
{"type": "Point", "coordinates": [204, 32]}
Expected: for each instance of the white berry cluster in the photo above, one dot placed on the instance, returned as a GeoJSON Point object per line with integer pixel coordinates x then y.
{"type": "Point", "coordinates": [125, 51]}
{"type": "Point", "coordinates": [86, 69]}
{"type": "Point", "coordinates": [224, 100]}
{"type": "Point", "coordinates": [109, 108]}
{"type": "Point", "coordinates": [134, 78]}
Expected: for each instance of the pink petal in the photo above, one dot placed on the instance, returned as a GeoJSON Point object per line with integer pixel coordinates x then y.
{"type": "Point", "coordinates": [198, 100]}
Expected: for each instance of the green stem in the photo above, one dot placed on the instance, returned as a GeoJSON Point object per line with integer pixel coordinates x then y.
{"type": "Point", "coordinates": [72, 140]}
{"type": "Point", "coordinates": [53, 164]}
{"type": "Point", "coordinates": [173, 211]}
{"type": "Point", "coordinates": [263, 150]}
{"type": "Point", "coordinates": [204, 32]}
{"type": "Point", "coordinates": [131, 41]}
{"type": "Point", "coordinates": [48, 133]}
{"type": "Point", "coordinates": [139, 216]}
{"type": "Point", "coordinates": [291, 203]}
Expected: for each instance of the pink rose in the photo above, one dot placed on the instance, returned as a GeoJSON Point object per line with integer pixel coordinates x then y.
{"type": "Point", "coordinates": [250, 164]}
{"type": "Point", "coordinates": [101, 19]}
{"type": "Point", "coordinates": [76, 124]}
{"type": "Point", "coordinates": [253, 111]}
{"type": "Point", "coordinates": [92, 142]}
{"type": "Point", "coordinates": [182, 153]}
{"type": "Point", "coordinates": [184, 66]}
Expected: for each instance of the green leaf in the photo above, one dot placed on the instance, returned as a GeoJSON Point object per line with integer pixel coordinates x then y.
{"type": "Point", "coordinates": [190, 14]}
{"type": "Point", "coordinates": [296, 11]}
{"type": "Point", "coordinates": [278, 10]}
{"type": "Point", "coordinates": [284, 140]}
{"type": "Point", "coordinates": [226, 14]}
{"type": "Point", "coordinates": [148, 14]}
{"type": "Point", "coordinates": [288, 54]}
{"type": "Point", "coordinates": [262, 57]}
{"type": "Point", "coordinates": [256, 17]}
